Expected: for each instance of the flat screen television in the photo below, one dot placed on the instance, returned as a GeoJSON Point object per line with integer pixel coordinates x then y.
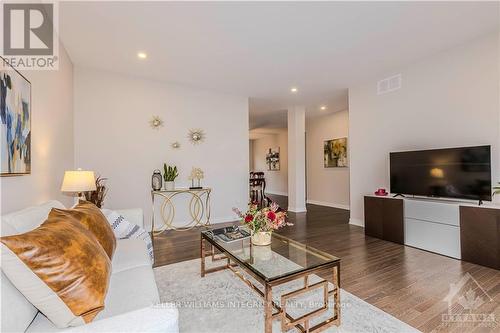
{"type": "Point", "coordinates": [461, 173]}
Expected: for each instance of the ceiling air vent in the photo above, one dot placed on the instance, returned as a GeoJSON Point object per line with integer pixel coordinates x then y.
{"type": "Point", "coordinates": [389, 84]}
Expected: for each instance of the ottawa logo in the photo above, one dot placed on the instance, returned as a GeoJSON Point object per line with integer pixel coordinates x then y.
{"type": "Point", "coordinates": [465, 299]}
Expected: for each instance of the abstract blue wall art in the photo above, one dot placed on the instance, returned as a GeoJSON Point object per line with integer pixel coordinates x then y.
{"type": "Point", "coordinates": [15, 122]}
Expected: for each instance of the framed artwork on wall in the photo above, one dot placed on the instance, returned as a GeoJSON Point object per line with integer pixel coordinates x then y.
{"type": "Point", "coordinates": [273, 159]}
{"type": "Point", "coordinates": [335, 153]}
{"type": "Point", "coordinates": [15, 122]}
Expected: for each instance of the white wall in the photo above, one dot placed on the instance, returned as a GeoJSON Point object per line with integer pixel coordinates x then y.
{"type": "Point", "coordinates": [447, 100]}
{"type": "Point", "coordinates": [326, 186]}
{"type": "Point", "coordinates": [51, 139]}
{"type": "Point", "coordinates": [276, 181]}
{"type": "Point", "coordinates": [113, 137]}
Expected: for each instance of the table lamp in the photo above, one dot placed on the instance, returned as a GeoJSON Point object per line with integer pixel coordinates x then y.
{"type": "Point", "coordinates": [78, 181]}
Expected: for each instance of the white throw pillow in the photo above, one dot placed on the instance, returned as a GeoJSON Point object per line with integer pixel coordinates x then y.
{"type": "Point", "coordinates": [124, 229]}
{"type": "Point", "coordinates": [36, 291]}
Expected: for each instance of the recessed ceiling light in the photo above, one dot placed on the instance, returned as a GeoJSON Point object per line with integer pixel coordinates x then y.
{"type": "Point", "coordinates": [323, 107]}
{"type": "Point", "coordinates": [142, 55]}
{"type": "Point", "coordinates": [294, 90]}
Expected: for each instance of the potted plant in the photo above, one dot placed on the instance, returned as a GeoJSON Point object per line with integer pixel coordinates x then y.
{"type": "Point", "coordinates": [262, 222]}
{"type": "Point", "coordinates": [97, 196]}
{"type": "Point", "coordinates": [169, 175]}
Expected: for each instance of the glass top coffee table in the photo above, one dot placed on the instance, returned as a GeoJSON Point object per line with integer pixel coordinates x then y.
{"type": "Point", "coordinates": [283, 261]}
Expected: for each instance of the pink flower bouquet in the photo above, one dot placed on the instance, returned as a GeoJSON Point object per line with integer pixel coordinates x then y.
{"type": "Point", "coordinates": [266, 219]}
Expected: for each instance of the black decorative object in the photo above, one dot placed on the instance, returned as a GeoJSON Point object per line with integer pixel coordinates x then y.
{"type": "Point", "coordinates": [156, 180]}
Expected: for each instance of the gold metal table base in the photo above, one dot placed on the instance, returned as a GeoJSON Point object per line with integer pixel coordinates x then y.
{"type": "Point", "coordinates": [199, 208]}
{"type": "Point", "coordinates": [302, 324]}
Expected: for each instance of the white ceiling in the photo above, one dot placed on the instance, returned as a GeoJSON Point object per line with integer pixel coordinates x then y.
{"type": "Point", "coordinates": [260, 49]}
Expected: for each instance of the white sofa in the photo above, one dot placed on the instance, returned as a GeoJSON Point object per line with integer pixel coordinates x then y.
{"type": "Point", "coordinates": [132, 303]}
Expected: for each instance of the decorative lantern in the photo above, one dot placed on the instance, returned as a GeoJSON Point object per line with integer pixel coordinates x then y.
{"type": "Point", "coordinates": [156, 180]}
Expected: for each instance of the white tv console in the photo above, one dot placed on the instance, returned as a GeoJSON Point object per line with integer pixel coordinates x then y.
{"type": "Point", "coordinates": [433, 225]}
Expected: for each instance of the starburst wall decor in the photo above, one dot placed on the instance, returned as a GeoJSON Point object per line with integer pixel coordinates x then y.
{"type": "Point", "coordinates": [196, 136]}
{"type": "Point", "coordinates": [156, 122]}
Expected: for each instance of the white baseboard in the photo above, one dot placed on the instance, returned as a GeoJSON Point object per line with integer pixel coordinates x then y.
{"type": "Point", "coordinates": [328, 204]}
{"type": "Point", "coordinates": [297, 209]}
{"type": "Point", "coordinates": [276, 193]}
{"type": "Point", "coordinates": [357, 222]}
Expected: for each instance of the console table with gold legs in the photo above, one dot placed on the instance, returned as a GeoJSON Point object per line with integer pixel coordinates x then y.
{"type": "Point", "coordinates": [199, 208]}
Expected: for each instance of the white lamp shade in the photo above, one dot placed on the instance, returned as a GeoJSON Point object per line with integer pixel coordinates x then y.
{"type": "Point", "coordinates": [78, 181]}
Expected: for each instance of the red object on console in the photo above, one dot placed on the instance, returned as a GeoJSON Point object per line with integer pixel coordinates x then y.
{"type": "Point", "coordinates": [381, 192]}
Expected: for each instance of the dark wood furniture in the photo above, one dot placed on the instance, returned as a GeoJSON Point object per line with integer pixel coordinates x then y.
{"type": "Point", "coordinates": [480, 235]}
{"type": "Point", "coordinates": [257, 184]}
{"type": "Point", "coordinates": [384, 218]}
{"type": "Point", "coordinates": [479, 228]}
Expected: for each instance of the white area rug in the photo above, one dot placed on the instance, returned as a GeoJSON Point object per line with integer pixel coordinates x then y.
{"type": "Point", "coordinates": [221, 302]}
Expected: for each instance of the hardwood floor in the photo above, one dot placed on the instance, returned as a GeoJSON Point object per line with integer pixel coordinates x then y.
{"type": "Point", "coordinates": [408, 283]}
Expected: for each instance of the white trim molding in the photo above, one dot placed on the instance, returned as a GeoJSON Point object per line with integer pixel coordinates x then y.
{"type": "Point", "coordinates": [357, 222]}
{"type": "Point", "coordinates": [297, 209]}
{"type": "Point", "coordinates": [328, 204]}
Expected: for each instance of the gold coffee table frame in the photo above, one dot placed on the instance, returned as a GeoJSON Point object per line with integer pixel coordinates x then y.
{"type": "Point", "coordinates": [199, 208]}
{"type": "Point", "coordinates": [302, 324]}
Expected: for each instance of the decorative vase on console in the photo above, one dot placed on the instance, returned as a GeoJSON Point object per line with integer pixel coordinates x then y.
{"type": "Point", "coordinates": [156, 180]}
{"type": "Point", "coordinates": [262, 222]}
{"type": "Point", "coordinates": [170, 173]}
{"type": "Point", "coordinates": [195, 178]}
